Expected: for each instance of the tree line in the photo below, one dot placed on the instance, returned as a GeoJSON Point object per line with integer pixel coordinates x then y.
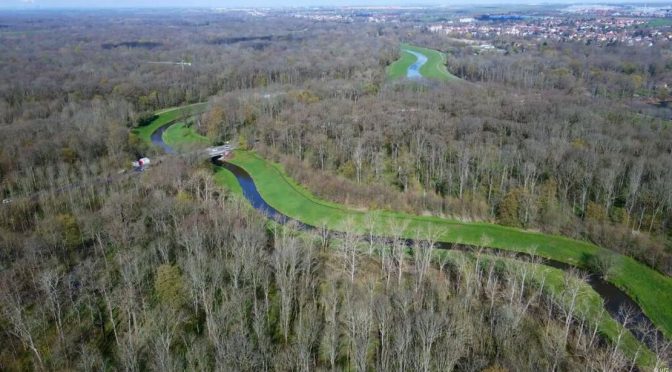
{"type": "Point", "coordinates": [168, 271]}
{"type": "Point", "coordinates": [543, 159]}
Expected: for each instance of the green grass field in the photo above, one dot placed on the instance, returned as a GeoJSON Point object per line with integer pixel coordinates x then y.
{"type": "Point", "coordinates": [181, 137]}
{"type": "Point", "coordinates": [397, 70]}
{"type": "Point", "coordinates": [435, 67]}
{"type": "Point", "coordinates": [227, 179]}
{"type": "Point", "coordinates": [659, 22]}
{"type": "Point", "coordinates": [651, 289]}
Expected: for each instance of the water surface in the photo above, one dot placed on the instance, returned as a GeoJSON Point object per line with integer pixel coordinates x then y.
{"type": "Point", "coordinates": [413, 71]}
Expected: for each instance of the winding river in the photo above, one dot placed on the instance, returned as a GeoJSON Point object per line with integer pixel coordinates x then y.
{"type": "Point", "coordinates": [614, 299]}
{"type": "Point", "coordinates": [413, 71]}
{"type": "Point", "coordinates": [157, 138]}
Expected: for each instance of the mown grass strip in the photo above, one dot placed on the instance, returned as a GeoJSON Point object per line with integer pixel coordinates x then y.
{"type": "Point", "coordinates": [398, 69]}
{"type": "Point", "coordinates": [649, 288]}
{"type": "Point", "coordinates": [164, 117]}
{"type": "Point", "coordinates": [224, 177]}
{"type": "Point", "coordinates": [181, 137]}
{"type": "Point", "coordinates": [434, 68]}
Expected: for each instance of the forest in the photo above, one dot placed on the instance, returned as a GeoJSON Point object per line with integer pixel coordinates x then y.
{"type": "Point", "coordinates": [103, 267]}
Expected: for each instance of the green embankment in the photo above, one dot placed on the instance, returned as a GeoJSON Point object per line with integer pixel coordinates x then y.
{"type": "Point", "coordinates": [398, 68]}
{"type": "Point", "coordinates": [649, 288]}
{"type": "Point", "coordinates": [164, 117]}
{"type": "Point", "coordinates": [181, 137]}
{"type": "Point", "coordinates": [434, 68]}
{"type": "Point", "coordinates": [227, 179]}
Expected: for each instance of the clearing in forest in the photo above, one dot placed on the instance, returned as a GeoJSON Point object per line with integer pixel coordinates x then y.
{"type": "Point", "coordinates": [165, 117]}
{"type": "Point", "coordinates": [411, 64]}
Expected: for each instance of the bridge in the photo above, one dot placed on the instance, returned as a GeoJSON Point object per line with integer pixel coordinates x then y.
{"type": "Point", "coordinates": [220, 150]}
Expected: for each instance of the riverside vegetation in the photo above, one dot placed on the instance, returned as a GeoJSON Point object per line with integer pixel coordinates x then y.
{"type": "Point", "coordinates": [167, 270]}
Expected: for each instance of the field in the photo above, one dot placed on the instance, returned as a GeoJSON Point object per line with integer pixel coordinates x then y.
{"type": "Point", "coordinates": [225, 178]}
{"type": "Point", "coordinates": [434, 68]}
{"type": "Point", "coordinates": [397, 70]}
{"type": "Point", "coordinates": [659, 22]}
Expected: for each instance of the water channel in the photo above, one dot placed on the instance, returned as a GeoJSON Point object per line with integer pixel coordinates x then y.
{"type": "Point", "coordinates": [413, 71]}
{"type": "Point", "coordinates": [615, 300]}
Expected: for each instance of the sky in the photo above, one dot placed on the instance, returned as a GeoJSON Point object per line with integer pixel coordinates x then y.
{"type": "Point", "coordinates": [82, 4]}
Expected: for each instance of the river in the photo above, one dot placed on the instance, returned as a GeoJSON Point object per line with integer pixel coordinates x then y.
{"type": "Point", "coordinates": [413, 71]}
{"type": "Point", "coordinates": [615, 300]}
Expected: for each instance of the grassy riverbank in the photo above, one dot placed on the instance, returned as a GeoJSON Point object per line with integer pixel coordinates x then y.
{"type": "Point", "coordinates": [652, 290]}
{"type": "Point", "coordinates": [435, 68]}
{"type": "Point", "coordinates": [179, 136]}
{"type": "Point", "coordinates": [290, 198]}
{"type": "Point", "coordinates": [166, 116]}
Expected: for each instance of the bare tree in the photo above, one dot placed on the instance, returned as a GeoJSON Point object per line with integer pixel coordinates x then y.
{"type": "Point", "coordinates": [22, 325]}
{"type": "Point", "coordinates": [428, 327]}
{"type": "Point", "coordinates": [307, 334]}
{"type": "Point", "coordinates": [371, 221]}
{"type": "Point", "coordinates": [382, 312]}
{"type": "Point", "coordinates": [286, 259]}
{"type": "Point", "coordinates": [403, 337]}
{"type": "Point", "coordinates": [166, 326]}
{"type": "Point", "coordinates": [574, 283]}
{"type": "Point", "coordinates": [423, 252]}
{"type": "Point", "coordinates": [324, 234]}
{"type": "Point", "coordinates": [359, 321]}
{"type": "Point", "coordinates": [204, 276]}
{"type": "Point", "coordinates": [330, 338]}
{"type": "Point", "coordinates": [451, 346]}
{"type": "Point", "coordinates": [348, 248]}
{"type": "Point", "coordinates": [51, 281]}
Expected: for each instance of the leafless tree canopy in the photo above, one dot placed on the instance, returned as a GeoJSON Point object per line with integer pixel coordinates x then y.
{"type": "Point", "coordinates": [166, 270]}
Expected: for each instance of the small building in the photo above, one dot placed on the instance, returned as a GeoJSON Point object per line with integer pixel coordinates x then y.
{"type": "Point", "coordinates": [141, 163]}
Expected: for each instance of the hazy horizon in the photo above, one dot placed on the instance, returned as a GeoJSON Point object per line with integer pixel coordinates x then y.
{"type": "Point", "coordinates": [82, 4]}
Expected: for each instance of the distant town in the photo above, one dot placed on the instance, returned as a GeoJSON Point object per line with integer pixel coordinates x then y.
{"type": "Point", "coordinates": [602, 24]}
{"type": "Point", "coordinates": [589, 28]}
